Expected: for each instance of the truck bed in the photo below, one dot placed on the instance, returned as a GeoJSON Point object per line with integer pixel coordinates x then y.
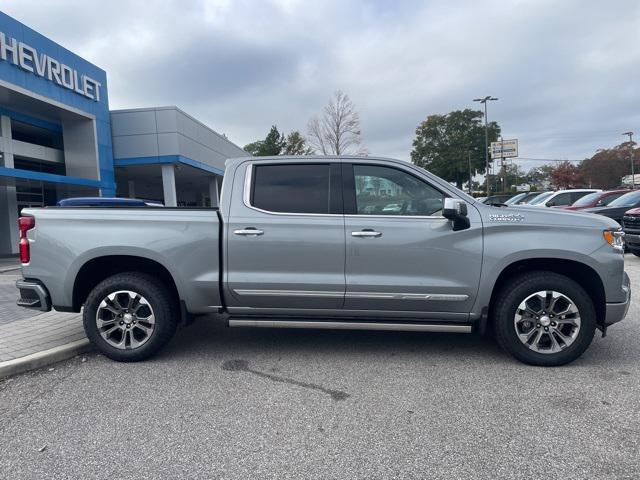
{"type": "Point", "coordinates": [184, 242]}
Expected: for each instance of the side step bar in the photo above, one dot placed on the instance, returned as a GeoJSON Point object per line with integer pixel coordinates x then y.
{"type": "Point", "coordinates": [396, 327]}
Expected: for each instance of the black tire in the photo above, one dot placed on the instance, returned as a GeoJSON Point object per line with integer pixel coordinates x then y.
{"type": "Point", "coordinates": [516, 291]}
{"type": "Point", "coordinates": [635, 251]}
{"type": "Point", "coordinates": [160, 301]}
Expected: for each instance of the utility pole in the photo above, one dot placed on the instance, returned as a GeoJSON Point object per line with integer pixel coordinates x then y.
{"type": "Point", "coordinates": [504, 167]}
{"type": "Point", "coordinates": [470, 181]}
{"type": "Point", "coordinates": [484, 100]}
{"type": "Point", "coordinates": [633, 173]}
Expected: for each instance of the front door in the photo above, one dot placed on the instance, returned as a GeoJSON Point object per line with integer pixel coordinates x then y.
{"type": "Point", "coordinates": [402, 255]}
{"type": "Point", "coordinates": [285, 237]}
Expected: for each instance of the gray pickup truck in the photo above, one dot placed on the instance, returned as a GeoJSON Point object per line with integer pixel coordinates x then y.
{"type": "Point", "coordinates": [337, 243]}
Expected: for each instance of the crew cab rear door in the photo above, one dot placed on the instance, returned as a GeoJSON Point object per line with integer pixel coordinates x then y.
{"type": "Point", "coordinates": [402, 255]}
{"type": "Point", "coordinates": [285, 238]}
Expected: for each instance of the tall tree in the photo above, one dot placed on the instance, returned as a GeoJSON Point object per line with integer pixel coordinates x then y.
{"type": "Point", "coordinates": [540, 176]}
{"type": "Point", "coordinates": [273, 144]}
{"type": "Point", "coordinates": [566, 175]}
{"type": "Point", "coordinates": [607, 167]}
{"type": "Point", "coordinates": [337, 130]}
{"type": "Point", "coordinates": [442, 144]}
{"type": "Point", "coordinates": [296, 144]}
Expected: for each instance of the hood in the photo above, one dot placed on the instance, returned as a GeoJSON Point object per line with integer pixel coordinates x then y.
{"type": "Point", "coordinates": [528, 215]}
{"type": "Point", "coordinates": [608, 211]}
{"type": "Point", "coordinates": [633, 211]}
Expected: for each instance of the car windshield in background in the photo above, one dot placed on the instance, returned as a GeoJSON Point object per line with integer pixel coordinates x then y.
{"type": "Point", "coordinates": [626, 200]}
{"type": "Point", "coordinates": [541, 198]}
{"type": "Point", "coordinates": [587, 200]}
{"type": "Point", "coordinates": [515, 199]}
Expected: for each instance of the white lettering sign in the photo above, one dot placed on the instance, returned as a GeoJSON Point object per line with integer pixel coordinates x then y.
{"type": "Point", "coordinates": [40, 64]}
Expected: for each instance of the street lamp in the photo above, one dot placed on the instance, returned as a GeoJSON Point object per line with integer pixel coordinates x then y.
{"type": "Point", "coordinates": [633, 175]}
{"type": "Point", "coordinates": [484, 100]}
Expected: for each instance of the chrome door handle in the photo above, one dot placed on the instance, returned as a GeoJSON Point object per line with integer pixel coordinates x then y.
{"type": "Point", "coordinates": [366, 234]}
{"type": "Point", "coordinates": [248, 232]}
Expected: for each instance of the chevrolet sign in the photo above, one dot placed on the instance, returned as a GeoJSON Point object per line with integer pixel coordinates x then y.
{"type": "Point", "coordinates": [40, 64]}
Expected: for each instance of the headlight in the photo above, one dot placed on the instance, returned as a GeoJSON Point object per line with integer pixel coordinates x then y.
{"type": "Point", "coordinates": [615, 238]}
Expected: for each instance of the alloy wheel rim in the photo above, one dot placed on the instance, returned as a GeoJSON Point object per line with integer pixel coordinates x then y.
{"type": "Point", "coordinates": [547, 321]}
{"type": "Point", "coordinates": [125, 320]}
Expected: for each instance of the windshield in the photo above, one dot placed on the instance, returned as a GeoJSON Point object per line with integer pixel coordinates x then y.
{"type": "Point", "coordinates": [626, 200]}
{"type": "Point", "coordinates": [515, 199]}
{"type": "Point", "coordinates": [541, 198]}
{"type": "Point", "coordinates": [465, 196]}
{"type": "Point", "coordinates": [586, 200]}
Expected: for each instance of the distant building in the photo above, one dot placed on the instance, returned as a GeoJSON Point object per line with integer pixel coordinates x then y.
{"type": "Point", "coordinates": [626, 180]}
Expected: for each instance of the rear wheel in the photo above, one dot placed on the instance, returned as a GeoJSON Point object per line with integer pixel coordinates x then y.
{"type": "Point", "coordinates": [543, 318]}
{"type": "Point", "coordinates": [129, 316]}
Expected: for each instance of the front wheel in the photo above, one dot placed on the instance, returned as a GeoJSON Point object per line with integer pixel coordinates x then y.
{"type": "Point", "coordinates": [129, 317]}
{"type": "Point", "coordinates": [543, 318]}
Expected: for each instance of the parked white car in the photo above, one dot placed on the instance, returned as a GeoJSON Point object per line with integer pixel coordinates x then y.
{"type": "Point", "coordinates": [561, 198]}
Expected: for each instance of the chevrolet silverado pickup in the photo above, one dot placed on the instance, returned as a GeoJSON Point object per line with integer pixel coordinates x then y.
{"type": "Point", "coordinates": [334, 243]}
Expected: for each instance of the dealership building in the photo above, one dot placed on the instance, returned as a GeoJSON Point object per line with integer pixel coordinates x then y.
{"type": "Point", "coordinates": [58, 138]}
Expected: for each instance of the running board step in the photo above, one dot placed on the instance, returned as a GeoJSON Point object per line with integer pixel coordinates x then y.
{"type": "Point", "coordinates": [396, 327]}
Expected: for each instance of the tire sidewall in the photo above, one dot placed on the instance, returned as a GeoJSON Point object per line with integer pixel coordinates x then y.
{"type": "Point", "coordinates": [528, 284]}
{"type": "Point", "coordinates": [157, 296]}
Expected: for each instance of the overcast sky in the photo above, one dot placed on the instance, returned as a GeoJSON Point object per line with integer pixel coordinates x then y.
{"type": "Point", "coordinates": [567, 73]}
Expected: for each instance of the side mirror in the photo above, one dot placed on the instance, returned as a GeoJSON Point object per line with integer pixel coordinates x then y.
{"type": "Point", "coordinates": [456, 211]}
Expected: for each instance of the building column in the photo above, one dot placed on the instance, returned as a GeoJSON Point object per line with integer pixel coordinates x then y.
{"type": "Point", "coordinates": [169, 185]}
{"type": "Point", "coordinates": [8, 201]}
{"type": "Point", "coordinates": [131, 189]}
{"type": "Point", "coordinates": [213, 191]}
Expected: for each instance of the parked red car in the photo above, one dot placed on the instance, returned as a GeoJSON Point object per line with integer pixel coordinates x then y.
{"type": "Point", "coordinates": [595, 199]}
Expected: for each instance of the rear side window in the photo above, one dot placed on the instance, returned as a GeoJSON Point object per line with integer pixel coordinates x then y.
{"type": "Point", "coordinates": [560, 200]}
{"type": "Point", "coordinates": [578, 195]}
{"type": "Point", "coordinates": [292, 188]}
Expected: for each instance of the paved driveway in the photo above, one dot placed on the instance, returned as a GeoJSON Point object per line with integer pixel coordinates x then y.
{"type": "Point", "coordinates": [223, 403]}
{"type": "Point", "coordinates": [9, 311]}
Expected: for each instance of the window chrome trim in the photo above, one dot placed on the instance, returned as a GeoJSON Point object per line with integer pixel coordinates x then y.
{"type": "Point", "coordinates": [246, 199]}
{"type": "Point", "coordinates": [417, 217]}
{"type": "Point", "coordinates": [434, 297]}
{"type": "Point", "coordinates": [246, 196]}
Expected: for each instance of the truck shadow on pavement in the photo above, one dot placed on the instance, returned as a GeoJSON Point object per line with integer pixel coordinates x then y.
{"type": "Point", "coordinates": [209, 338]}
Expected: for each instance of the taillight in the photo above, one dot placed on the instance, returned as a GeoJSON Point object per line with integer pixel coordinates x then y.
{"type": "Point", "coordinates": [25, 224]}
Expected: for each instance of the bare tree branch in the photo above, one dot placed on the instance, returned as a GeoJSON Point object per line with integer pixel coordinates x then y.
{"type": "Point", "coordinates": [337, 131]}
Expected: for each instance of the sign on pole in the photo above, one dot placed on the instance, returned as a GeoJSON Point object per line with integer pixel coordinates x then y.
{"type": "Point", "coordinates": [504, 148]}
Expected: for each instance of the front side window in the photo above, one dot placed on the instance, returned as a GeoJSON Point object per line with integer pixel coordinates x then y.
{"type": "Point", "coordinates": [389, 191]}
{"type": "Point", "coordinates": [292, 188]}
{"type": "Point", "coordinates": [608, 199]}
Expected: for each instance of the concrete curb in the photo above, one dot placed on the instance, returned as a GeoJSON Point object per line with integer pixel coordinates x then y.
{"type": "Point", "coordinates": [44, 358]}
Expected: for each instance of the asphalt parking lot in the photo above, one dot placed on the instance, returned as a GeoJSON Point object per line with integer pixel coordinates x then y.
{"type": "Point", "coordinates": [224, 403]}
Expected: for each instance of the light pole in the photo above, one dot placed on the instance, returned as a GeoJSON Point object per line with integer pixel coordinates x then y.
{"type": "Point", "coordinates": [633, 174]}
{"type": "Point", "coordinates": [484, 100]}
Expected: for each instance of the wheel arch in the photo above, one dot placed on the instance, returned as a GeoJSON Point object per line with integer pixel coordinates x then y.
{"type": "Point", "coordinates": [99, 268]}
{"type": "Point", "coordinates": [582, 274]}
